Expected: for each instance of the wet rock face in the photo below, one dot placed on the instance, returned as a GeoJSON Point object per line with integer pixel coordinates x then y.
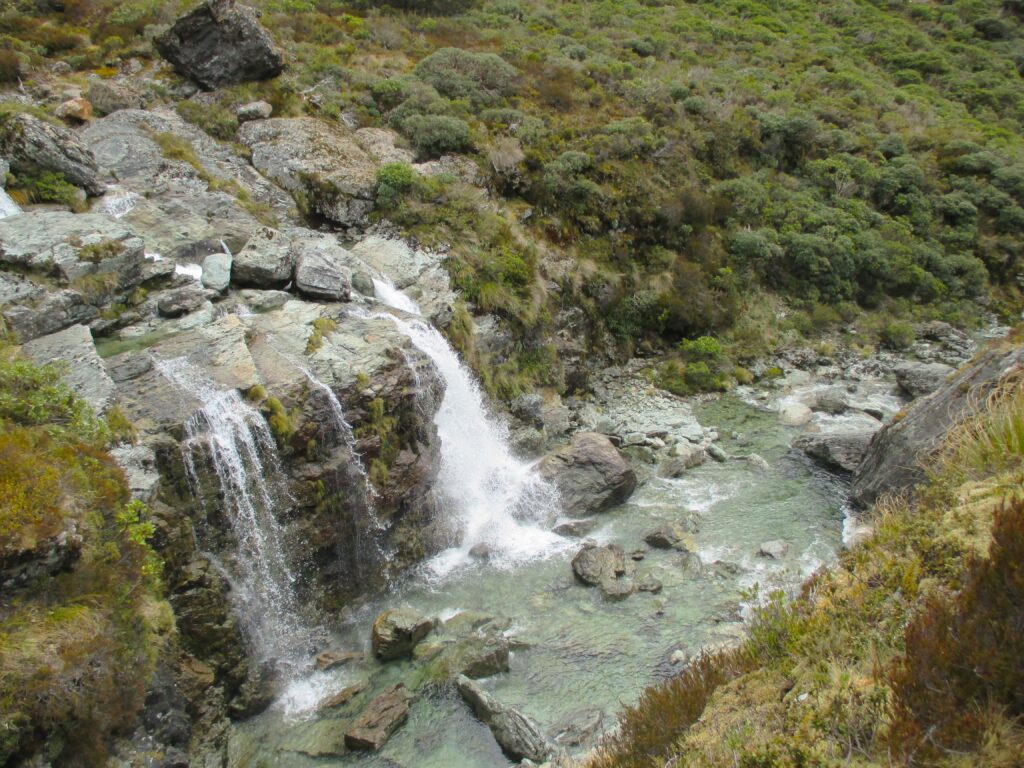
{"type": "Point", "coordinates": [32, 144]}
{"type": "Point", "coordinates": [518, 736]}
{"type": "Point", "coordinates": [892, 462]}
{"type": "Point", "coordinates": [589, 474]}
{"type": "Point", "coordinates": [384, 715]}
{"type": "Point", "coordinates": [840, 452]}
{"type": "Point", "coordinates": [219, 43]}
{"type": "Point", "coordinates": [396, 633]}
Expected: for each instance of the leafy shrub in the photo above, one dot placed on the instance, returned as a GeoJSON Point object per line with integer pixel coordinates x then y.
{"type": "Point", "coordinates": [898, 335]}
{"type": "Point", "coordinates": [47, 187]}
{"type": "Point", "coordinates": [393, 180]}
{"type": "Point", "coordinates": [482, 79]}
{"type": "Point", "coordinates": [704, 348]}
{"type": "Point", "coordinates": [10, 67]}
{"type": "Point", "coordinates": [434, 135]}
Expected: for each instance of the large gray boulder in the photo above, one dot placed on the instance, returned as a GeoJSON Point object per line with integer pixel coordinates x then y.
{"type": "Point", "coordinates": [84, 371]}
{"type": "Point", "coordinates": [518, 736]}
{"type": "Point", "coordinates": [396, 633]}
{"type": "Point", "coordinates": [48, 313]}
{"type": "Point", "coordinates": [319, 162]}
{"type": "Point", "coordinates": [320, 273]}
{"type": "Point", "coordinates": [590, 474]}
{"type": "Point", "coordinates": [266, 261]}
{"type": "Point", "coordinates": [893, 460]}
{"type": "Point", "coordinates": [217, 271]}
{"type": "Point", "coordinates": [919, 379]}
{"type": "Point", "coordinates": [838, 451]}
{"type": "Point", "coordinates": [107, 96]}
{"type": "Point", "coordinates": [219, 43]}
{"type": "Point", "coordinates": [31, 144]}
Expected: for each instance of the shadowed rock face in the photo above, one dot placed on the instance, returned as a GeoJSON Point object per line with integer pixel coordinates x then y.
{"type": "Point", "coordinates": [32, 144]}
{"type": "Point", "coordinates": [840, 452]}
{"type": "Point", "coordinates": [892, 463]}
{"type": "Point", "coordinates": [518, 736]}
{"type": "Point", "coordinates": [219, 43]}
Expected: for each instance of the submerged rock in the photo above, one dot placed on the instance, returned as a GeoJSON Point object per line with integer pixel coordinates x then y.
{"type": "Point", "coordinates": [593, 564]}
{"type": "Point", "coordinates": [919, 379]}
{"type": "Point", "coordinates": [221, 42]}
{"type": "Point", "coordinates": [381, 718]}
{"type": "Point", "coordinates": [673, 536]}
{"type": "Point", "coordinates": [396, 633]}
{"type": "Point", "coordinates": [590, 474]}
{"type": "Point", "coordinates": [344, 696]}
{"type": "Point", "coordinates": [518, 736]}
{"type": "Point", "coordinates": [795, 414]}
{"type": "Point", "coordinates": [774, 550]}
{"type": "Point", "coordinates": [832, 401]}
{"type": "Point", "coordinates": [838, 451]}
{"type": "Point", "coordinates": [332, 659]}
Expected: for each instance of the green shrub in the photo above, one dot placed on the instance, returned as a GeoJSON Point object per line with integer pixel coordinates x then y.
{"type": "Point", "coordinates": [704, 348]}
{"type": "Point", "coordinates": [898, 336]}
{"type": "Point", "coordinates": [482, 79]}
{"type": "Point", "coordinates": [393, 180]}
{"type": "Point", "coordinates": [435, 135]}
{"type": "Point", "coordinates": [216, 120]}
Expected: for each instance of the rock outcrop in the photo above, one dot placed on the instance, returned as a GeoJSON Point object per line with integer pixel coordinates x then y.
{"type": "Point", "coordinates": [319, 162]}
{"type": "Point", "coordinates": [919, 379]}
{"type": "Point", "coordinates": [84, 372]}
{"type": "Point", "coordinates": [219, 43]}
{"type": "Point", "coordinates": [893, 460]}
{"type": "Point", "coordinates": [320, 273]}
{"type": "Point", "coordinates": [590, 475]}
{"type": "Point", "coordinates": [31, 145]}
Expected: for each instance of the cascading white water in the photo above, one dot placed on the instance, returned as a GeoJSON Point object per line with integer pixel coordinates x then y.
{"type": "Point", "coordinates": [495, 499]}
{"type": "Point", "coordinates": [7, 206]}
{"type": "Point", "coordinates": [385, 291]}
{"type": "Point", "coordinates": [234, 438]}
{"type": "Point", "coordinates": [117, 202]}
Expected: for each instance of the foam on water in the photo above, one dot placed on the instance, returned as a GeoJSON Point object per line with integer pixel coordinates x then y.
{"type": "Point", "coordinates": [117, 202]}
{"type": "Point", "coordinates": [385, 291]}
{"type": "Point", "coordinates": [195, 271]}
{"type": "Point", "coordinates": [7, 206]}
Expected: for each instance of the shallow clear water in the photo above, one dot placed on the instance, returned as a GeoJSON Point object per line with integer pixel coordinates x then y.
{"type": "Point", "coordinates": [582, 658]}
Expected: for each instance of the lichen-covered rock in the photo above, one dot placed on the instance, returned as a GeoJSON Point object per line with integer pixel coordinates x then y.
{"type": "Point", "coordinates": [266, 261]}
{"type": "Point", "coordinates": [219, 43]}
{"type": "Point", "coordinates": [396, 633]}
{"type": "Point", "coordinates": [84, 371]}
{"type": "Point", "coordinates": [320, 272]}
{"type": "Point", "coordinates": [107, 96]}
{"type": "Point", "coordinates": [589, 474]}
{"type": "Point", "coordinates": [217, 271]}
{"type": "Point", "coordinates": [31, 144]}
{"type": "Point", "coordinates": [319, 162]}
{"type": "Point", "coordinates": [256, 110]}
{"type": "Point", "coordinates": [381, 718]}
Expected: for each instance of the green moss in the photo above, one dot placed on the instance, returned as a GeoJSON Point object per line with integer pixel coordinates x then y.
{"type": "Point", "coordinates": [322, 326]}
{"type": "Point", "coordinates": [97, 252]}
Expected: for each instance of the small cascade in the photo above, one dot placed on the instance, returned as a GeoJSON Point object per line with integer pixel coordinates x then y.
{"type": "Point", "coordinates": [494, 499]}
{"type": "Point", "coordinates": [7, 206]}
{"type": "Point", "coordinates": [234, 439]}
{"type": "Point", "coordinates": [117, 202]}
{"type": "Point", "coordinates": [385, 291]}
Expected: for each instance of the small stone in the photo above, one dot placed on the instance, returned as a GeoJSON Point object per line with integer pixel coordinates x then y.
{"type": "Point", "coordinates": [673, 536]}
{"type": "Point", "coordinates": [832, 401]}
{"type": "Point", "coordinates": [637, 555]}
{"type": "Point", "coordinates": [757, 463]}
{"type": "Point", "coordinates": [795, 415]}
{"type": "Point", "coordinates": [363, 283]}
{"type": "Point", "coordinates": [576, 528]}
{"type": "Point", "coordinates": [180, 302]}
{"type": "Point", "coordinates": [480, 551]}
{"type": "Point", "coordinates": [648, 583]}
{"type": "Point", "coordinates": [217, 272]}
{"type": "Point", "coordinates": [717, 453]}
{"type": "Point", "coordinates": [678, 657]}
{"type": "Point", "coordinates": [617, 589]}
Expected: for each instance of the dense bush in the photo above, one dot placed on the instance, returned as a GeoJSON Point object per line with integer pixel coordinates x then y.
{"type": "Point", "coordinates": [482, 79]}
{"type": "Point", "coordinates": [434, 135]}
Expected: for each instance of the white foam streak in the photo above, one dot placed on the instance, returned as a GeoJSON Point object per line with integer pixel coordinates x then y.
{"type": "Point", "coordinates": [385, 291]}
{"type": "Point", "coordinates": [117, 202]}
{"type": "Point", "coordinates": [7, 206]}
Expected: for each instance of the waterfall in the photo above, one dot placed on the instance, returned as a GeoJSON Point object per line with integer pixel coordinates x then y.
{"type": "Point", "coordinates": [494, 499]}
{"type": "Point", "coordinates": [234, 438]}
{"type": "Point", "coordinates": [386, 292]}
{"type": "Point", "coordinates": [7, 206]}
{"type": "Point", "coordinates": [117, 202]}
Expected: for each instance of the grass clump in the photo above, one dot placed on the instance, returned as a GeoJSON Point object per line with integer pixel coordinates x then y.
{"type": "Point", "coordinates": [322, 326]}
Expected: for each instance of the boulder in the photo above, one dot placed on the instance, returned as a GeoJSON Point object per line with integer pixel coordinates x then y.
{"type": "Point", "coordinates": [332, 659]}
{"type": "Point", "coordinates": [589, 474]}
{"type": "Point", "coordinates": [31, 144]}
{"type": "Point", "coordinates": [266, 261]}
{"type": "Point", "coordinates": [919, 379]}
{"type": "Point", "coordinates": [381, 718]}
{"type": "Point", "coordinates": [219, 43]}
{"type": "Point", "coordinates": [685, 455]}
{"type": "Point", "coordinates": [74, 111]}
{"type": "Point", "coordinates": [480, 656]}
{"type": "Point", "coordinates": [593, 565]}
{"type": "Point", "coordinates": [517, 735]}
{"type": "Point", "coordinates": [576, 528]}
{"type": "Point", "coordinates": [673, 536]}
{"type": "Point", "coordinates": [832, 401]}
{"type": "Point", "coordinates": [181, 302]}
{"type": "Point", "coordinates": [795, 414]}
{"type": "Point", "coordinates": [320, 273]}
{"type": "Point", "coordinates": [107, 96]}
{"type": "Point", "coordinates": [319, 162]}
{"type": "Point", "coordinates": [838, 451]}
{"type": "Point", "coordinates": [717, 453]}
{"type": "Point", "coordinates": [396, 633]}
{"type": "Point", "coordinates": [217, 271]}
{"type": "Point", "coordinates": [255, 110]}
{"type": "Point", "coordinates": [84, 371]}
{"type": "Point", "coordinates": [47, 314]}
{"type": "Point", "coordinates": [773, 550]}
{"type": "Point", "coordinates": [893, 460]}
